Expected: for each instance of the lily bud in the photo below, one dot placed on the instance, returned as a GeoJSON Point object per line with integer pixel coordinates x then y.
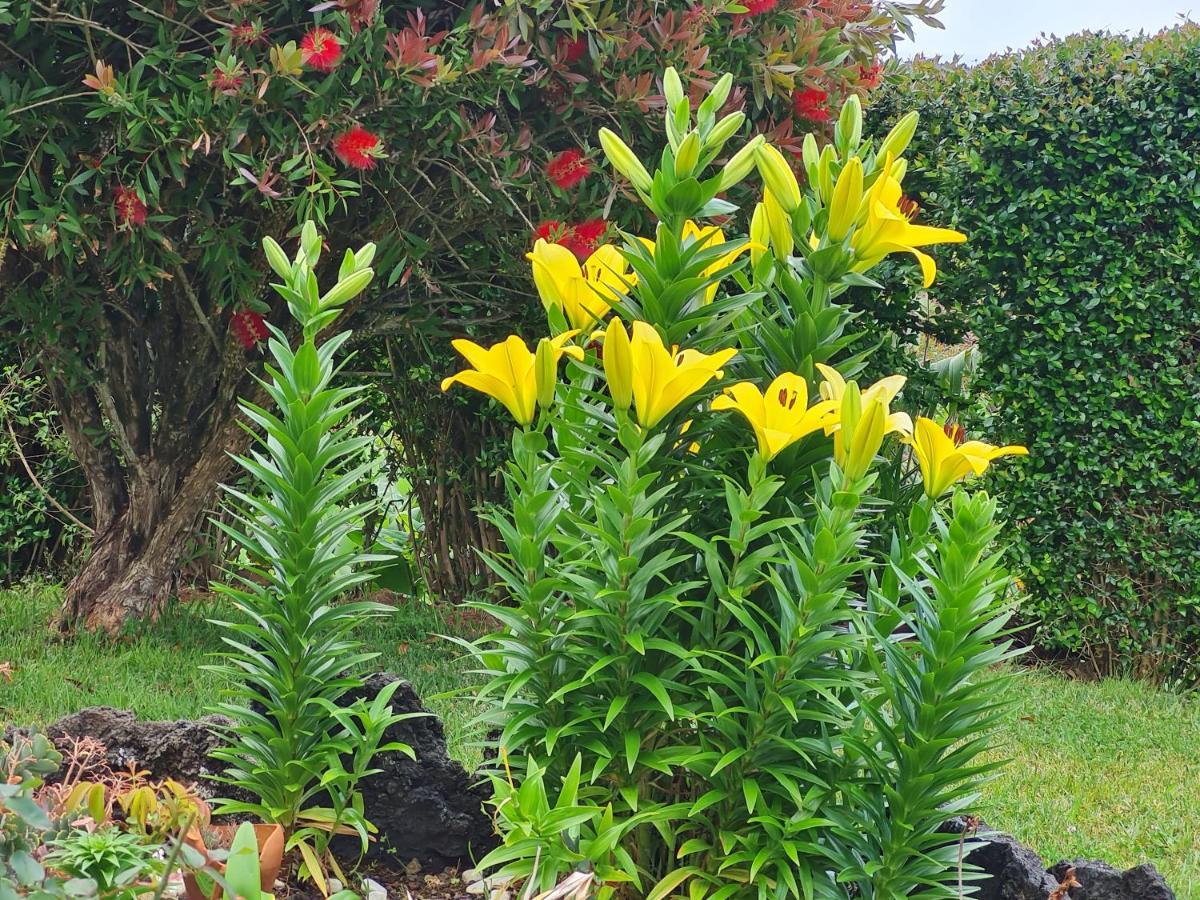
{"type": "Point", "coordinates": [825, 173]}
{"type": "Point", "coordinates": [899, 137]}
{"type": "Point", "coordinates": [618, 364]}
{"type": "Point", "coordinates": [347, 288]}
{"type": "Point", "coordinates": [625, 161]}
{"type": "Point", "coordinates": [779, 223]}
{"type": "Point", "coordinates": [687, 155]}
{"type": "Point", "coordinates": [760, 233]}
{"type": "Point", "coordinates": [810, 156]}
{"type": "Point", "coordinates": [365, 256]}
{"type": "Point", "coordinates": [545, 372]}
{"type": "Point", "coordinates": [724, 130]}
{"type": "Point", "coordinates": [778, 175]}
{"type": "Point", "coordinates": [740, 164]}
{"type": "Point", "coordinates": [310, 242]}
{"type": "Point", "coordinates": [672, 88]}
{"type": "Point", "coordinates": [899, 169]}
{"type": "Point", "coordinates": [717, 96]}
{"type": "Point", "coordinates": [847, 199]}
{"type": "Point", "coordinates": [867, 438]}
{"type": "Point", "coordinates": [848, 132]}
{"type": "Point", "coordinates": [277, 259]}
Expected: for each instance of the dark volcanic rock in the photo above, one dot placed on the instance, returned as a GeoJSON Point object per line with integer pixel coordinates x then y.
{"type": "Point", "coordinates": [1100, 881]}
{"type": "Point", "coordinates": [426, 809]}
{"type": "Point", "coordinates": [176, 750]}
{"type": "Point", "coordinates": [1014, 872]}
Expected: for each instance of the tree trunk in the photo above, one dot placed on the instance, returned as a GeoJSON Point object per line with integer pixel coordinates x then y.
{"type": "Point", "coordinates": [132, 568]}
{"type": "Point", "coordinates": [152, 424]}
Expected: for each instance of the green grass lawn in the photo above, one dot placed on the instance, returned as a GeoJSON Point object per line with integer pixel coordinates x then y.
{"type": "Point", "coordinates": [1107, 770]}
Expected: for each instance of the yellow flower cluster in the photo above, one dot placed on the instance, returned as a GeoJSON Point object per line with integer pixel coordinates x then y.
{"type": "Point", "coordinates": [871, 211]}
{"type": "Point", "coordinates": [644, 375]}
{"type": "Point", "coordinates": [585, 293]}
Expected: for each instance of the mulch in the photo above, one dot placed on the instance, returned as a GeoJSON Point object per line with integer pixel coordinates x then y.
{"type": "Point", "coordinates": [401, 884]}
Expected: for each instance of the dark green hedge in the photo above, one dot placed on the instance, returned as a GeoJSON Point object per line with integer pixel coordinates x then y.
{"type": "Point", "coordinates": [1073, 166]}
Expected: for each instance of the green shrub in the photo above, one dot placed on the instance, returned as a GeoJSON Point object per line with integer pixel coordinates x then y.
{"type": "Point", "coordinates": [1072, 168]}
{"type": "Point", "coordinates": [40, 523]}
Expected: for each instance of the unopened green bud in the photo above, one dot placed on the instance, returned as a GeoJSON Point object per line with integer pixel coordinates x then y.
{"type": "Point", "coordinates": [810, 156]}
{"type": "Point", "coordinates": [825, 172]}
{"type": "Point", "coordinates": [687, 155]}
{"type": "Point", "coordinates": [717, 96]}
{"type": "Point", "coordinates": [724, 130]}
{"type": "Point", "coordinates": [277, 259]}
{"type": "Point", "coordinates": [672, 88]}
{"type": "Point", "coordinates": [740, 164]}
{"type": "Point", "coordinates": [899, 137]}
{"type": "Point", "coordinates": [365, 256]}
{"type": "Point", "coordinates": [779, 177]}
{"type": "Point", "coordinates": [545, 372]}
{"type": "Point", "coordinates": [347, 288]}
{"type": "Point", "coordinates": [849, 125]}
{"type": "Point", "coordinates": [310, 242]}
{"type": "Point", "coordinates": [625, 161]}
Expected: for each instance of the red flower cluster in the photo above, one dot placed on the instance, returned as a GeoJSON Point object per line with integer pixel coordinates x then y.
{"type": "Point", "coordinates": [247, 33]}
{"type": "Point", "coordinates": [571, 51]}
{"type": "Point", "coordinates": [810, 104]}
{"type": "Point", "coordinates": [358, 148]}
{"type": "Point", "coordinates": [226, 83]}
{"type": "Point", "coordinates": [568, 169]}
{"type": "Point", "coordinates": [581, 239]}
{"type": "Point", "coordinates": [249, 327]}
{"type": "Point", "coordinates": [322, 50]}
{"type": "Point", "coordinates": [758, 7]}
{"type": "Point", "coordinates": [869, 76]}
{"type": "Point", "coordinates": [129, 208]}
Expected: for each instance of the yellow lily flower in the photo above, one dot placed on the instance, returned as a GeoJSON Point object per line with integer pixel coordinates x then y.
{"type": "Point", "coordinates": [707, 236]}
{"type": "Point", "coordinates": [508, 371]}
{"type": "Point", "coordinates": [662, 378]}
{"type": "Point", "coordinates": [886, 389]}
{"type": "Point", "coordinates": [943, 463]}
{"type": "Point", "coordinates": [780, 416]}
{"type": "Point", "coordinates": [887, 228]}
{"type": "Point", "coordinates": [584, 293]}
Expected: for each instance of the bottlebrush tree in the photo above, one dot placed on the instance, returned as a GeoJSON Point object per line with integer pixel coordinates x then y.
{"type": "Point", "coordinates": [145, 148]}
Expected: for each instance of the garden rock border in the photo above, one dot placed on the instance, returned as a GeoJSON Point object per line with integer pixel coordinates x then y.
{"type": "Point", "coordinates": [429, 809]}
{"type": "Point", "coordinates": [1018, 873]}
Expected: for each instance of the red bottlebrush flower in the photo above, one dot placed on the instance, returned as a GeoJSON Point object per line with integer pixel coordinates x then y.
{"type": "Point", "coordinates": [758, 7]}
{"type": "Point", "coordinates": [569, 50]}
{"type": "Point", "coordinates": [552, 231]}
{"type": "Point", "coordinates": [225, 82]}
{"type": "Point", "coordinates": [246, 33]}
{"type": "Point", "coordinates": [129, 208]}
{"type": "Point", "coordinates": [322, 50]}
{"type": "Point", "coordinates": [810, 104]}
{"type": "Point", "coordinates": [585, 237]}
{"type": "Point", "coordinates": [358, 148]}
{"type": "Point", "coordinates": [869, 76]}
{"type": "Point", "coordinates": [249, 327]}
{"type": "Point", "coordinates": [568, 169]}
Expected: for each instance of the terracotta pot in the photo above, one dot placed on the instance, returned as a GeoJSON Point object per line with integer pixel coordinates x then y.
{"type": "Point", "coordinates": [270, 856]}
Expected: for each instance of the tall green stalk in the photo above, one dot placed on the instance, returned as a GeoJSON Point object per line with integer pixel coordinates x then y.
{"type": "Point", "coordinates": [291, 656]}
